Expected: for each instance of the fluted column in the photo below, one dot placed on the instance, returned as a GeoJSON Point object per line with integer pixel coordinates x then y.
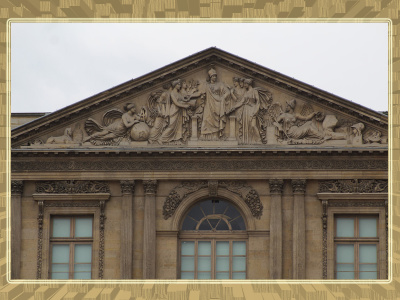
{"type": "Point", "coordinates": [275, 251]}
{"type": "Point", "coordinates": [127, 190]}
{"type": "Point", "coordinates": [149, 229]}
{"type": "Point", "coordinates": [299, 229]}
{"type": "Point", "coordinates": [17, 187]}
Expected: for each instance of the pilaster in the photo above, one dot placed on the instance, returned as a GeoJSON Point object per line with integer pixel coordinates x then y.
{"type": "Point", "coordinates": [276, 188]}
{"type": "Point", "coordinates": [17, 187]}
{"type": "Point", "coordinates": [149, 229]}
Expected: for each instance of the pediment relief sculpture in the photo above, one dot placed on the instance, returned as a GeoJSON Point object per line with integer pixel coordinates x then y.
{"type": "Point", "coordinates": [207, 110]}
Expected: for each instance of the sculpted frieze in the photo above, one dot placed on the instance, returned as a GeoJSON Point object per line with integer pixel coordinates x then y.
{"type": "Point", "coordinates": [214, 107]}
{"type": "Point", "coordinates": [353, 186]}
{"type": "Point", "coordinates": [72, 186]}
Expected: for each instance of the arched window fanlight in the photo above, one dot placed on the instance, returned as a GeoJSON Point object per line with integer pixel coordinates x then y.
{"type": "Point", "coordinates": [213, 215]}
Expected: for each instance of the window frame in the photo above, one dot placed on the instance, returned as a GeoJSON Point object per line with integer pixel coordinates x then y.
{"type": "Point", "coordinates": [71, 241]}
{"type": "Point", "coordinates": [333, 211]}
{"type": "Point", "coordinates": [213, 256]}
{"type": "Point", "coordinates": [356, 240]}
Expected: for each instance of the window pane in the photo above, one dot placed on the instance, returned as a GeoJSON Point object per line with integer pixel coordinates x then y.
{"type": "Point", "coordinates": [189, 224]}
{"type": "Point", "coordinates": [345, 275]}
{"type": "Point", "coordinates": [204, 248]}
{"type": "Point", "coordinates": [61, 227]}
{"type": "Point", "coordinates": [222, 248]}
{"type": "Point", "coordinates": [205, 225]}
{"type": "Point", "coordinates": [368, 268]}
{"type": "Point", "coordinates": [221, 206]}
{"type": "Point", "coordinates": [83, 227]}
{"type": "Point", "coordinates": [204, 263]}
{"type": "Point", "coordinates": [222, 275]}
{"type": "Point", "coordinates": [368, 275]}
{"type": "Point", "coordinates": [83, 254]}
{"type": "Point", "coordinates": [345, 227]}
{"type": "Point", "coordinates": [63, 268]}
{"type": "Point", "coordinates": [345, 267]}
{"type": "Point", "coordinates": [207, 207]}
{"type": "Point", "coordinates": [82, 268]}
{"type": "Point", "coordinates": [83, 275]}
{"type": "Point", "coordinates": [345, 253]}
{"type": "Point", "coordinates": [187, 263]}
{"type": "Point", "coordinates": [239, 248]}
{"type": "Point", "coordinates": [187, 248]}
{"type": "Point", "coordinates": [222, 225]}
{"type": "Point", "coordinates": [196, 213]}
{"type": "Point", "coordinates": [238, 224]}
{"type": "Point", "coordinates": [222, 264]}
{"type": "Point", "coordinates": [60, 254]}
{"type": "Point", "coordinates": [368, 254]}
{"type": "Point", "coordinates": [367, 227]}
{"type": "Point", "coordinates": [187, 275]}
{"type": "Point", "coordinates": [204, 275]}
{"type": "Point", "coordinates": [59, 276]}
{"type": "Point", "coordinates": [240, 275]}
{"type": "Point", "coordinates": [239, 263]}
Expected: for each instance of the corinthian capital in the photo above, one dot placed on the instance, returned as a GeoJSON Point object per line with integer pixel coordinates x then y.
{"type": "Point", "coordinates": [299, 186]}
{"type": "Point", "coordinates": [17, 186]}
{"type": "Point", "coordinates": [150, 186]}
{"type": "Point", "coordinates": [127, 186]}
{"type": "Point", "coordinates": [276, 186]}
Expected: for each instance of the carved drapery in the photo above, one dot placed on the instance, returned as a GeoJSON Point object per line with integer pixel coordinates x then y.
{"type": "Point", "coordinates": [72, 187]}
{"type": "Point", "coordinates": [245, 191]}
{"type": "Point", "coordinates": [17, 187]}
{"type": "Point", "coordinates": [353, 186]}
{"type": "Point", "coordinates": [127, 186]}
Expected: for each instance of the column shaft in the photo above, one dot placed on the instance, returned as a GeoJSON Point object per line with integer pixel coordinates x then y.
{"type": "Point", "coordinates": [299, 229]}
{"type": "Point", "coordinates": [275, 250]}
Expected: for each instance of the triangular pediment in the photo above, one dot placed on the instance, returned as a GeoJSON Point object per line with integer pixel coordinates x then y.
{"type": "Point", "coordinates": [211, 99]}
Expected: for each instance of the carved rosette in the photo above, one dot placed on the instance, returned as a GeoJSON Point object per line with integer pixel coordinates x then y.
{"type": "Point", "coordinates": [150, 186]}
{"type": "Point", "coordinates": [353, 186]}
{"type": "Point", "coordinates": [72, 187]}
{"type": "Point", "coordinates": [276, 186]}
{"type": "Point", "coordinates": [127, 186]}
{"type": "Point", "coordinates": [17, 187]}
{"type": "Point", "coordinates": [299, 186]}
{"type": "Point", "coordinates": [212, 188]}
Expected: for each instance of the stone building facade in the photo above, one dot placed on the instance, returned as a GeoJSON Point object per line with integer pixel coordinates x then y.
{"type": "Point", "coordinates": [212, 167]}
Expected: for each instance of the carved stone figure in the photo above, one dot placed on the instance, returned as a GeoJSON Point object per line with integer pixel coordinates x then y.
{"type": "Point", "coordinates": [115, 126]}
{"type": "Point", "coordinates": [156, 104]}
{"type": "Point", "coordinates": [64, 139]}
{"type": "Point", "coordinates": [374, 136]}
{"type": "Point", "coordinates": [214, 117]}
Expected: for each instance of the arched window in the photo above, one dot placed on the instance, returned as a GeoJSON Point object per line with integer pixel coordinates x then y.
{"type": "Point", "coordinates": [213, 242]}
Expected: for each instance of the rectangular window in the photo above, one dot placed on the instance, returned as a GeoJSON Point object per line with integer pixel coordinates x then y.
{"type": "Point", "coordinates": [356, 247]}
{"type": "Point", "coordinates": [213, 259]}
{"type": "Point", "coordinates": [71, 244]}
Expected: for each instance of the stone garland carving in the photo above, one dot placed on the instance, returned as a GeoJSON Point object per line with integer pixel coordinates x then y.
{"type": "Point", "coordinates": [17, 187]}
{"type": "Point", "coordinates": [333, 203]}
{"type": "Point", "coordinates": [72, 187]}
{"type": "Point", "coordinates": [127, 186]}
{"type": "Point", "coordinates": [276, 186]}
{"type": "Point", "coordinates": [186, 165]}
{"type": "Point", "coordinates": [150, 186]}
{"type": "Point", "coordinates": [353, 186]}
{"type": "Point", "coordinates": [179, 193]}
{"type": "Point", "coordinates": [40, 240]}
{"type": "Point", "coordinates": [299, 186]}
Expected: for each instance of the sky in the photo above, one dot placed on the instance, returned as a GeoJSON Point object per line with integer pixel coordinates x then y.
{"type": "Point", "coordinates": [54, 65]}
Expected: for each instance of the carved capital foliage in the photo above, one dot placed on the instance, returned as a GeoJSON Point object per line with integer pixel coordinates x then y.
{"type": "Point", "coordinates": [276, 186]}
{"type": "Point", "coordinates": [17, 187]}
{"type": "Point", "coordinates": [299, 186]}
{"type": "Point", "coordinates": [353, 186]}
{"type": "Point", "coordinates": [213, 188]}
{"type": "Point", "coordinates": [246, 192]}
{"type": "Point", "coordinates": [72, 187]}
{"type": "Point", "coordinates": [150, 186]}
{"type": "Point", "coordinates": [127, 186]}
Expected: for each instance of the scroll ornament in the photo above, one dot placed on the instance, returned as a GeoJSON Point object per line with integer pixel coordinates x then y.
{"type": "Point", "coordinates": [353, 186]}
{"type": "Point", "coordinates": [72, 187]}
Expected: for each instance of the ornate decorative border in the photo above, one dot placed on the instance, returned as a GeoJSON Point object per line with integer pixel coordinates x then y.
{"type": "Point", "coordinates": [353, 186]}
{"type": "Point", "coordinates": [200, 165]}
{"type": "Point", "coordinates": [72, 187]}
{"type": "Point", "coordinates": [42, 204]}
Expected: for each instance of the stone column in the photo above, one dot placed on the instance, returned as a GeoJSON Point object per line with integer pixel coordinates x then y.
{"type": "Point", "coordinates": [299, 229]}
{"type": "Point", "coordinates": [127, 190]}
{"type": "Point", "coordinates": [275, 251]}
{"type": "Point", "coordinates": [17, 187]}
{"type": "Point", "coordinates": [149, 229]}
